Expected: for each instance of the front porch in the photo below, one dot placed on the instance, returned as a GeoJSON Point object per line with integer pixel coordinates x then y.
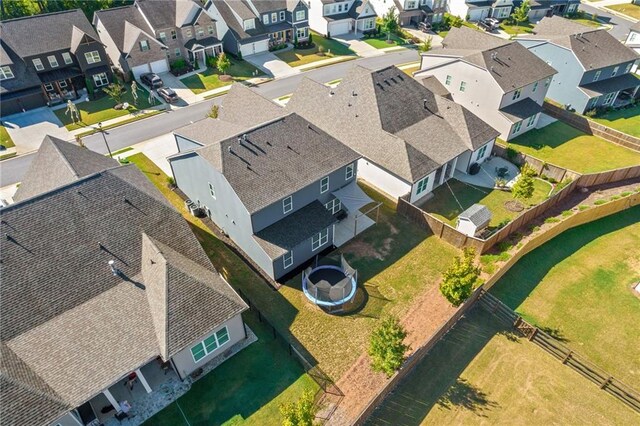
{"type": "Point", "coordinates": [58, 86]}
{"type": "Point", "coordinates": [199, 50]}
{"type": "Point", "coordinates": [280, 35]}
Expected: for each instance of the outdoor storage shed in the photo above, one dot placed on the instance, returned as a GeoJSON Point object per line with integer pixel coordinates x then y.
{"type": "Point", "coordinates": [474, 219]}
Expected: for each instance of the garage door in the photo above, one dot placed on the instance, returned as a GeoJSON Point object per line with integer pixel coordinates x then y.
{"type": "Point", "coordinates": [337, 28]}
{"type": "Point", "coordinates": [140, 69]}
{"type": "Point", "coordinates": [253, 48]}
{"type": "Point", "coordinates": [160, 66]}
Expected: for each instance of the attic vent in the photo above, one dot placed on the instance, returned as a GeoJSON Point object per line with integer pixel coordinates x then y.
{"type": "Point", "coordinates": [115, 271]}
{"type": "Point", "coordinates": [424, 104]}
{"type": "Point", "coordinates": [380, 86]}
{"type": "Point", "coordinates": [269, 143]}
{"type": "Point", "coordinates": [387, 82]}
{"type": "Point", "coordinates": [491, 68]}
{"type": "Point", "coordinates": [393, 80]}
{"type": "Point", "coordinates": [331, 93]}
{"type": "Point", "coordinates": [230, 150]}
{"type": "Point", "coordinates": [400, 77]}
{"type": "Point", "coordinates": [353, 93]}
{"type": "Point", "coordinates": [494, 55]}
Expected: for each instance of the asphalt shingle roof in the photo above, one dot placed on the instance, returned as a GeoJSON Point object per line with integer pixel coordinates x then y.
{"type": "Point", "coordinates": [520, 110]}
{"type": "Point", "coordinates": [609, 85]}
{"type": "Point", "coordinates": [245, 107]}
{"type": "Point", "coordinates": [224, 7]}
{"type": "Point", "coordinates": [478, 214]}
{"type": "Point", "coordinates": [168, 13]}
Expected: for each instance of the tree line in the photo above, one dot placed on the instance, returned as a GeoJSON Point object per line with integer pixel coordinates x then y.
{"type": "Point", "coordinates": [19, 8]}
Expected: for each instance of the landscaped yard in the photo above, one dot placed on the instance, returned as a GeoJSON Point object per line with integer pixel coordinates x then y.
{"type": "Point", "coordinates": [625, 120]}
{"type": "Point", "coordinates": [5, 139]}
{"type": "Point", "coordinates": [380, 42]}
{"type": "Point", "coordinates": [101, 110]}
{"type": "Point", "coordinates": [210, 78]}
{"type": "Point", "coordinates": [588, 22]}
{"type": "Point", "coordinates": [628, 9]}
{"type": "Point", "coordinates": [566, 146]}
{"type": "Point", "coordinates": [523, 28]}
{"type": "Point", "coordinates": [481, 373]}
{"type": "Point", "coordinates": [444, 205]}
{"type": "Point", "coordinates": [331, 49]}
{"type": "Point", "coordinates": [579, 286]}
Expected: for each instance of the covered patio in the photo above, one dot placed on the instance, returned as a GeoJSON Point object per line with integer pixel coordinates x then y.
{"type": "Point", "coordinates": [490, 170]}
{"type": "Point", "coordinates": [349, 208]}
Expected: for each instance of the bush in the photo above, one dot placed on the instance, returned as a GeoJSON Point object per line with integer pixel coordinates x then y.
{"type": "Point", "coordinates": [599, 202]}
{"type": "Point", "coordinates": [551, 220]}
{"type": "Point", "coordinates": [566, 213]}
{"type": "Point", "coordinates": [461, 278]}
{"type": "Point", "coordinates": [171, 182]}
{"type": "Point", "coordinates": [181, 63]}
{"type": "Point", "coordinates": [512, 154]}
{"type": "Point", "coordinates": [591, 113]}
{"type": "Point", "coordinates": [386, 346]}
{"type": "Point", "coordinates": [625, 194]}
{"type": "Point", "coordinates": [583, 207]}
{"type": "Point", "coordinates": [523, 187]}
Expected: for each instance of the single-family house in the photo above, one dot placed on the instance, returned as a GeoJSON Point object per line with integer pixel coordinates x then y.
{"type": "Point", "coordinates": [594, 69]}
{"type": "Point", "coordinates": [106, 294]}
{"type": "Point", "coordinates": [476, 10]}
{"type": "Point", "coordinates": [149, 35]}
{"type": "Point", "coordinates": [412, 12]}
{"type": "Point", "coordinates": [633, 41]}
{"type": "Point", "coordinates": [244, 32]}
{"type": "Point", "coordinates": [337, 17]}
{"type": "Point", "coordinates": [285, 21]}
{"type": "Point", "coordinates": [47, 59]}
{"type": "Point", "coordinates": [541, 8]}
{"type": "Point", "coordinates": [411, 139]}
{"type": "Point", "coordinates": [498, 80]}
{"type": "Point", "coordinates": [267, 178]}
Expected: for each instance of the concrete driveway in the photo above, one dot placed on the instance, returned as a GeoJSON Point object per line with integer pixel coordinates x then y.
{"type": "Point", "coordinates": [355, 43]}
{"type": "Point", "coordinates": [27, 129]}
{"type": "Point", "coordinates": [436, 40]}
{"type": "Point", "coordinates": [271, 64]}
{"type": "Point", "coordinates": [186, 95]}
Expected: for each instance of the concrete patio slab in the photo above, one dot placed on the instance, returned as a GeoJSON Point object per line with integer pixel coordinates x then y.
{"type": "Point", "coordinates": [272, 65]}
{"type": "Point", "coordinates": [487, 175]}
{"type": "Point", "coordinates": [27, 129]}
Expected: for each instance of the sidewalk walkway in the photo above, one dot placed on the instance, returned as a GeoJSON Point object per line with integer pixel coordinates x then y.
{"type": "Point", "coordinates": [115, 121]}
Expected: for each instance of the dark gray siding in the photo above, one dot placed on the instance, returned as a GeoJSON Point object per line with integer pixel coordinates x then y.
{"type": "Point", "coordinates": [605, 73]}
{"type": "Point", "coordinates": [291, 16]}
{"type": "Point", "coordinates": [301, 253]}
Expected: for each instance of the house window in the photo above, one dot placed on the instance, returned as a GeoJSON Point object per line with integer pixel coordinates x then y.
{"type": "Point", "coordinates": [324, 184]}
{"type": "Point", "coordinates": [516, 94]}
{"type": "Point", "coordinates": [144, 45]}
{"type": "Point", "coordinates": [188, 32]}
{"type": "Point", "coordinates": [274, 17]}
{"type": "Point", "coordinates": [593, 102]}
{"type": "Point", "coordinates": [517, 127]}
{"type": "Point", "coordinates": [447, 81]}
{"type": "Point", "coordinates": [422, 185]}
{"type": "Point", "coordinates": [52, 61]}
{"type": "Point", "coordinates": [319, 239]}
{"type": "Point", "coordinates": [300, 15]}
{"type": "Point", "coordinates": [609, 98]}
{"type": "Point", "coordinates": [535, 86]}
{"type": "Point", "coordinates": [348, 173]}
{"type": "Point", "coordinates": [282, 15]}
{"type": "Point", "coordinates": [369, 24]}
{"type": "Point", "coordinates": [174, 34]}
{"type": "Point", "coordinates": [100, 79]}
{"type": "Point", "coordinates": [62, 84]}
{"type": "Point", "coordinates": [92, 57]}
{"type": "Point", "coordinates": [48, 87]}
{"type": "Point", "coordinates": [627, 69]}
{"type": "Point", "coordinates": [597, 76]}
{"type": "Point", "coordinates": [463, 86]}
{"type": "Point", "coordinates": [163, 36]}
{"type": "Point", "coordinates": [249, 24]}
{"type": "Point", "coordinates": [177, 51]}
{"type": "Point", "coordinates": [287, 260]}
{"type": "Point", "coordinates": [265, 19]}
{"type": "Point", "coordinates": [287, 204]}
{"type": "Point", "coordinates": [615, 71]}
{"type": "Point", "coordinates": [6, 73]}
{"type": "Point", "coordinates": [38, 64]}
{"type": "Point", "coordinates": [411, 5]}
{"type": "Point", "coordinates": [334, 206]}
{"type": "Point", "coordinates": [481, 152]}
{"type": "Point", "coordinates": [200, 32]}
{"type": "Point", "coordinates": [210, 29]}
{"type": "Point", "coordinates": [531, 120]}
{"type": "Point", "coordinates": [212, 191]}
{"type": "Point", "coordinates": [67, 58]}
{"type": "Point", "coordinates": [301, 32]}
{"type": "Point", "coordinates": [210, 344]}
{"type": "Point", "coordinates": [547, 81]}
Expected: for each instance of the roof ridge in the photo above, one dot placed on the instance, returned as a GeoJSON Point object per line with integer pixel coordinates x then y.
{"type": "Point", "coordinates": [54, 141]}
{"type": "Point", "coordinates": [40, 15]}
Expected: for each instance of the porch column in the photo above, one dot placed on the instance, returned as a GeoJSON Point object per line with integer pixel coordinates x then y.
{"type": "Point", "coordinates": [615, 98]}
{"type": "Point", "coordinates": [143, 381]}
{"type": "Point", "coordinates": [112, 400]}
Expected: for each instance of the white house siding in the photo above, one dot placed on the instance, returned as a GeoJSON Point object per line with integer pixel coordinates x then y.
{"type": "Point", "coordinates": [361, 23]}
{"type": "Point", "coordinates": [221, 25]}
{"type": "Point", "coordinates": [475, 158]}
{"type": "Point", "coordinates": [466, 227]}
{"type": "Point", "coordinates": [463, 161]}
{"type": "Point", "coordinates": [382, 179]}
{"type": "Point", "coordinates": [414, 188]}
{"type": "Point", "coordinates": [527, 92]}
{"type": "Point", "coordinates": [140, 69]}
{"type": "Point", "coordinates": [254, 47]}
{"type": "Point", "coordinates": [477, 14]}
{"type": "Point", "coordinates": [183, 360]}
{"type": "Point", "coordinates": [316, 19]}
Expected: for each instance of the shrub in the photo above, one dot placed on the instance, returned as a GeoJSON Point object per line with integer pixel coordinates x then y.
{"type": "Point", "coordinates": [386, 346]}
{"type": "Point", "coordinates": [583, 207]}
{"type": "Point", "coordinates": [299, 413]}
{"type": "Point", "coordinates": [551, 220]}
{"type": "Point", "coordinates": [171, 182]}
{"type": "Point", "coordinates": [512, 154]}
{"type": "Point", "coordinates": [591, 113]}
{"type": "Point", "coordinates": [461, 278]}
{"type": "Point", "coordinates": [535, 229]}
{"type": "Point", "coordinates": [524, 186]}
{"type": "Point", "coordinates": [503, 246]}
{"type": "Point", "coordinates": [179, 64]}
{"type": "Point", "coordinates": [114, 91]}
{"type": "Point", "coordinates": [615, 197]}
{"type": "Point", "coordinates": [625, 194]}
{"type": "Point", "coordinates": [599, 202]}
{"type": "Point", "coordinates": [310, 38]}
{"type": "Point", "coordinates": [566, 213]}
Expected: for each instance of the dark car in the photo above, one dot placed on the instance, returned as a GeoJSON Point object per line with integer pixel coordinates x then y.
{"type": "Point", "coordinates": [489, 24]}
{"type": "Point", "coordinates": [169, 95]}
{"type": "Point", "coordinates": [152, 80]}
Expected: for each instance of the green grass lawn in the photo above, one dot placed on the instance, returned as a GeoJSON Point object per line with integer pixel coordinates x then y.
{"type": "Point", "coordinates": [624, 120]}
{"type": "Point", "coordinates": [566, 146]}
{"type": "Point", "coordinates": [444, 206]}
{"type": "Point", "coordinates": [579, 286]}
{"type": "Point", "coordinates": [331, 48]}
{"type": "Point", "coordinates": [628, 9]}
{"type": "Point", "coordinates": [588, 22]}
{"type": "Point", "coordinates": [101, 110]}
{"type": "Point", "coordinates": [524, 28]}
{"type": "Point", "coordinates": [210, 78]}
{"type": "Point", "coordinates": [481, 373]}
{"type": "Point", "coordinates": [380, 42]}
{"type": "Point", "coordinates": [5, 139]}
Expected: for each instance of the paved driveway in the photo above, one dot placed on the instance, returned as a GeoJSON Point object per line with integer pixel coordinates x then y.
{"type": "Point", "coordinates": [173, 82]}
{"type": "Point", "coordinates": [271, 64]}
{"type": "Point", "coordinates": [27, 129]}
{"type": "Point", "coordinates": [355, 43]}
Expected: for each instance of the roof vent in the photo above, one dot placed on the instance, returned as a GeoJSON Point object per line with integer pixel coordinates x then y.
{"type": "Point", "coordinates": [400, 77]}
{"type": "Point", "coordinates": [331, 93]}
{"type": "Point", "coordinates": [230, 150]}
{"type": "Point", "coordinates": [353, 93]}
{"type": "Point", "coordinates": [115, 271]}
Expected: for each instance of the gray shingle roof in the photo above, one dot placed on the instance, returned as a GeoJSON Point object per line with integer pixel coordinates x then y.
{"type": "Point", "coordinates": [168, 13]}
{"type": "Point", "coordinates": [386, 115]}
{"type": "Point", "coordinates": [609, 85]}
{"type": "Point", "coordinates": [209, 131]}
{"type": "Point", "coordinates": [237, 28]}
{"type": "Point", "coordinates": [38, 34]}
{"type": "Point", "coordinates": [478, 214]}
{"type": "Point", "coordinates": [520, 110]}
{"type": "Point", "coordinates": [433, 85]}
{"type": "Point", "coordinates": [247, 108]}
{"type": "Point", "coordinates": [24, 76]}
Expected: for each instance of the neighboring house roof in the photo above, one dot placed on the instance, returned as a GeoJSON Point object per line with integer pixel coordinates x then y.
{"type": "Point", "coordinates": [478, 214]}
{"type": "Point", "coordinates": [510, 64]}
{"type": "Point", "coordinates": [164, 14]}
{"type": "Point", "coordinates": [593, 48]}
{"type": "Point", "coordinates": [209, 131]}
{"type": "Point", "coordinates": [49, 32]}
{"type": "Point", "coordinates": [266, 6]}
{"type": "Point", "coordinates": [125, 25]}
{"type": "Point", "coordinates": [23, 76]}
{"type": "Point", "coordinates": [635, 27]}
{"type": "Point", "coordinates": [245, 107]}
{"type": "Point", "coordinates": [520, 110]}
{"type": "Point", "coordinates": [236, 28]}
{"type": "Point", "coordinates": [58, 291]}
{"type": "Point", "coordinates": [385, 114]}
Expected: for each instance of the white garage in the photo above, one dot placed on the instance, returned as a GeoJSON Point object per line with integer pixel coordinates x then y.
{"type": "Point", "coordinates": [156, 67]}
{"type": "Point", "coordinates": [339, 27]}
{"type": "Point", "coordinates": [254, 47]}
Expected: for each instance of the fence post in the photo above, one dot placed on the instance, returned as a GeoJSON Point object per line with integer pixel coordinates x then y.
{"type": "Point", "coordinates": [606, 382]}
{"type": "Point", "coordinates": [567, 358]}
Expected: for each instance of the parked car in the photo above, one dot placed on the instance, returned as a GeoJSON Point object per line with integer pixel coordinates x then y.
{"type": "Point", "coordinates": [489, 24]}
{"type": "Point", "coordinates": [169, 95]}
{"type": "Point", "coordinates": [152, 80]}
{"type": "Point", "coordinates": [425, 27]}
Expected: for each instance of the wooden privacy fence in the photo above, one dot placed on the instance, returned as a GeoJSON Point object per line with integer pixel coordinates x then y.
{"type": "Point", "coordinates": [568, 357]}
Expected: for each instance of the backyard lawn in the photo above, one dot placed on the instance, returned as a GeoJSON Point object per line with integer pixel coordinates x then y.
{"type": "Point", "coordinates": [331, 48]}
{"type": "Point", "coordinates": [481, 373]}
{"type": "Point", "coordinates": [5, 139]}
{"type": "Point", "coordinates": [444, 205]}
{"type": "Point", "coordinates": [628, 9]}
{"type": "Point", "coordinates": [380, 42]}
{"type": "Point", "coordinates": [625, 120]}
{"type": "Point", "coordinates": [101, 110]}
{"type": "Point", "coordinates": [566, 146]}
{"type": "Point", "coordinates": [524, 28]}
{"type": "Point", "coordinates": [209, 79]}
{"type": "Point", "coordinates": [578, 285]}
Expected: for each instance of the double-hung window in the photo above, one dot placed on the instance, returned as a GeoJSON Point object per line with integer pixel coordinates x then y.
{"type": "Point", "coordinates": [38, 64]}
{"type": "Point", "coordinates": [535, 86]}
{"type": "Point", "coordinates": [447, 81]}
{"type": "Point", "coordinates": [324, 184]}
{"type": "Point", "coordinates": [178, 52]}
{"type": "Point", "coordinates": [100, 79]}
{"type": "Point", "coordinates": [593, 102]}
{"type": "Point", "coordinates": [48, 87]}
{"type": "Point", "coordinates": [200, 32]}
{"type": "Point", "coordinates": [287, 260]}
{"type": "Point", "coordinates": [531, 120]}
{"type": "Point", "coordinates": [174, 34]}
{"type": "Point", "coordinates": [463, 86]}
{"type": "Point", "coordinates": [53, 61]}
{"type": "Point", "coordinates": [274, 17]}
{"type": "Point", "coordinates": [210, 344]}
{"type": "Point", "coordinates": [163, 36]}
{"type": "Point", "coordinates": [212, 190]}
{"type": "Point", "coordinates": [319, 239]}
{"type": "Point", "coordinates": [300, 15]}
{"type": "Point", "coordinates": [282, 15]}
{"type": "Point", "coordinates": [547, 81]}
{"type": "Point", "coordinates": [249, 24]}
{"type": "Point", "coordinates": [596, 77]}
{"type": "Point", "coordinates": [609, 98]}
{"type": "Point", "coordinates": [92, 57]}
{"type": "Point", "coordinates": [516, 94]}
{"type": "Point", "coordinates": [615, 71]}
{"type": "Point", "coordinates": [334, 206]}
{"type": "Point", "coordinates": [188, 33]}
{"type": "Point", "coordinates": [67, 58]}
{"type": "Point", "coordinates": [265, 19]}
{"type": "Point", "coordinates": [6, 73]}
{"type": "Point", "coordinates": [210, 29]}
{"type": "Point", "coordinates": [517, 127]}
{"type": "Point", "coordinates": [627, 69]}
{"type": "Point", "coordinates": [287, 204]}
{"type": "Point", "coordinates": [144, 45]}
{"type": "Point", "coordinates": [348, 173]}
{"type": "Point", "coordinates": [481, 152]}
{"type": "Point", "coordinates": [422, 185]}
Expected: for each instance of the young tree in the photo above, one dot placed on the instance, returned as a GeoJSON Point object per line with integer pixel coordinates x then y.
{"type": "Point", "coordinates": [425, 46]}
{"type": "Point", "coordinates": [223, 63]}
{"type": "Point", "coordinates": [521, 13]}
{"type": "Point", "coordinates": [114, 91]}
{"type": "Point", "coordinates": [299, 413]}
{"type": "Point", "coordinates": [386, 346]}
{"type": "Point", "coordinates": [460, 279]}
{"type": "Point", "coordinates": [523, 188]}
{"type": "Point", "coordinates": [213, 113]}
{"type": "Point", "coordinates": [390, 22]}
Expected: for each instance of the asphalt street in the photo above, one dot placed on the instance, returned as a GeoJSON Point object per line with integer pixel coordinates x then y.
{"type": "Point", "coordinates": [620, 26]}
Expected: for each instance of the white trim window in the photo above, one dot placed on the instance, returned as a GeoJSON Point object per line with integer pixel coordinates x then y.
{"type": "Point", "coordinates": [200, 32]}
{"type": "Point", "coordinates": [92, 57]}
{"type": "Point", "coordinates": [163, 36]}
{"type": "Point", "coordinates": [593, 102]}
{"type": "Point", "coordinates": [531, 120]}
{"type": "Point", "coordinates": [300, 15]}
{"type": "Point", "coordinates": [463, 86]}
{"type": "Point", "coordinates": [547, 82]}
{"type": "Point", "coordinates": [67, 58]}
{"type": "Point", "coordinates": [48, 87]}
{"type": "Point", "coordinates": [62, 84]}
{"type": "Point", "coordinates": [609, 97]}
{"type": "Point", "coordinates": [209, 29]}
{"type": "Point", "coordinates": [178, 52]}
{"type": "Point", "coordinates": [481, 152]}
{"type": "Point", "coordinates": [422, 185]}
{"type": "Point", "coordinates": [324, 184]}
{"type": "Point", "coordinates": [53, 61]}
{"type": "Point", "coordinates": [188, 33]}
{"type": "Point", "coordinates": [334, 206]}
{"type": "Point", "coordinates": [301, 32]}
{"type": "Point", "coordinates": [249, 24]}
{"type": "Point", "coordinates": [348, 171]}
{"type": "Point", "coordinates": [287, 204]}
{"type": "Point", "coordinates": [212, 190]}
{"type": "Point", "coordinates": [615, 71]}
{"type": "Point", "coordinates": [6, 73]}
{"type": "Point", "coordinates": [265, 19]}
{"type": "Point", "coordinates": [320, 239]}
{"type": "Point", "coordinates": [517, 127]}
{"type": "Point", "coordinates": [282, 15]}
{"type": "Point", "coordinates": [100, 79]}
{"type": "Point", "coordinates": [535, 87]}
{"type": "Point", "coordinates": [447, 81]}
{"type": "Point", "coordinates": [628, 68]}
{"type": "Point", "coordinates": [287, 260]}
{"type": "Point", "coordinates": [174, 34]}
{"type": "Point", "coordinates": [144, 45]}
{"type": "Point", "coordinates": [274, 17]}
{"type": "Point", "coordinates": [210, 344]}
{"type": "Point", "coordinates": [516, 94]}
{"type": "Point", "coordinates": [38, 64]}
{"type": "Point", "coordinates": [596, 77]}
{"type": "Point", "coordinates": [369, 24]}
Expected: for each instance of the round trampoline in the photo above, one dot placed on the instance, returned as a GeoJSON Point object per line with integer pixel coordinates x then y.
{"type": "Point", "coordinates": [330, 286]}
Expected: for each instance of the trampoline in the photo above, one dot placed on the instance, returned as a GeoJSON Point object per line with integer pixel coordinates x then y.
{"type": "Point", "coordinates": [330, 286]}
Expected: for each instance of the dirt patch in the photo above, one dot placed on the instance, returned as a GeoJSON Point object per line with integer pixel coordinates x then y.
{"type": "Point", "coordinates": [361, 249]}
{"type": "Point", "coordinates": [513, 206]}
{"type": "Point", "coordinates": [225, 77]}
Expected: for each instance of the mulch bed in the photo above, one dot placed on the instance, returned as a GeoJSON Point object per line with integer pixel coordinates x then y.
{"type": "Point", "coordinates": [513, 206]}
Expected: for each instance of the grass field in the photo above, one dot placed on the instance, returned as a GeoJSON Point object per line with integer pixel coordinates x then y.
{"type": "Point", "coordinates": [566, 146]}
{"type": "Point", "coordinates": [331, 49]}
{"type": "Point", "coordinates": [380, 42]}
{"type": "Point", "coordinates": [209, 79]}
{"type": "Point", "coordinates": [578, 286]}
{"type": "Point", "coordinates": [524, 28]}
{"type": "Point", "coordinates": [625, 120]}
{"type": "Point", "coordinates": [444, 205]}
{"type": "Point", "coordinates": [628, 9]}
{"type": "Point", "coordinates": [5, 139]}
{"type": "Point", "coordinates": [481, 373]}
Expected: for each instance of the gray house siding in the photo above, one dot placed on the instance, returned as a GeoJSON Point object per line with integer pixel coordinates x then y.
{"type": "Point", "coordinates": [301, 253]}
{"type": "Point", "coordinates": [185, 144]}
{"type": "Point", "coordinates": [605, 73]}
{"type": "Point", "coordinates": [230, 43]}
{"type": "Point", "coordinates": [291, 16]}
